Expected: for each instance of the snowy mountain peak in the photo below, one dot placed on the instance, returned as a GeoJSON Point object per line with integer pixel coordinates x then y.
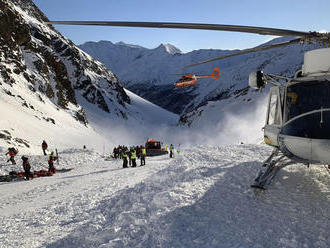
{"type": "Point", "coordinates": [121, 43]}
{"type": "Point", "coordinates": [169, 48]}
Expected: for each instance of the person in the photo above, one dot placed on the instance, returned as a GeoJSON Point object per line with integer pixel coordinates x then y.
{"type": "Point", "coordinates": [27, 168]}
{"type": "Point", "coordinates": [44, 147]}
{"type": "Point", "coordinates": [138, 151]}
{"type": "Point", "coordinates": [130, 155]}
{"type": "Point", "coordinates": [124, 156]}
{"type": "Point", "coordinates": [115, 152]}
{"type": "Point", "coordinates": [12, 153]}
{"type": "Point", "coordinates": [133, 157]}
{"type": "Point", "coordinates": [51, 160]}
{"type": "Point", "coordinates": [178, 150]}
{"type": "Point", "coordinates": [171, 151]}
{"type": "Point", "coordinates": [143, 156]}
{"type": "Point", "coordinates": [166, 146]}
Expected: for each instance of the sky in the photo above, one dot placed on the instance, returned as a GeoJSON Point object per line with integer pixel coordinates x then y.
{"type": "Point", "coordinates": [286, 14]}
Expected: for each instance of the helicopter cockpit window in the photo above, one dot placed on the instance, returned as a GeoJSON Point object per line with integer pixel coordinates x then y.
{"type": "Point", "coordinates": [274, 115]}
{"type": "Point", "coordinates": [307, 96]}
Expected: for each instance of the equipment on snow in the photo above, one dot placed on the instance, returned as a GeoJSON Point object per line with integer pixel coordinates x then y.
{"type": "Point", "coordinates": [153, 148]}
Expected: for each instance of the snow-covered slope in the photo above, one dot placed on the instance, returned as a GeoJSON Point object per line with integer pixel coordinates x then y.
{"type": "Point", "coordinates": [50, 89]}
{"type": "Point", "coordinates": [201, 198]}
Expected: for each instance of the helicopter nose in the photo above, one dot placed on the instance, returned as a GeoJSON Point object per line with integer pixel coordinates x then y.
{"type": "Point", "coordinates": [308, 137]}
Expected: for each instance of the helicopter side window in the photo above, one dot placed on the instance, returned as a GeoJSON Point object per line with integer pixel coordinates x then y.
{"type": "Point", "coordinates": [307, 96]}
{"type": "Point", "coordinates": [274, 114]}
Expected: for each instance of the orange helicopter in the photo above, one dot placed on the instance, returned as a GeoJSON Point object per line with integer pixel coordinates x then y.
{"type": "Point", "coordinates": [191, 79]}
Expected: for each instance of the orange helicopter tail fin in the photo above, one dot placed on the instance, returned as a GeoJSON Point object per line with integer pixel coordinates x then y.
{"type": "Point", "coordinates": [216, 73]}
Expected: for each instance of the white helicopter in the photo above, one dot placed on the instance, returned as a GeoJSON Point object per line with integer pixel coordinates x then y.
{"type": "Point", "coordinates": [298, 116]}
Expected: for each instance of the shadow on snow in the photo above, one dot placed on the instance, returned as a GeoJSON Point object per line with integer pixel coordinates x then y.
{"type": "Point", "coordinates": [292, 213]}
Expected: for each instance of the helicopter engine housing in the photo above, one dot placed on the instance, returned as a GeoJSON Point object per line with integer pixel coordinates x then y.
{"type": "Point", "coordinates": [316, 62]}
{"type": "Point", "coordinates": [256, 80]}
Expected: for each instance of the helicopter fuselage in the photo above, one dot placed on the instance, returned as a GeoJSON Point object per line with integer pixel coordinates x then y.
{"type": "Point", "coordinates": [298, 115]}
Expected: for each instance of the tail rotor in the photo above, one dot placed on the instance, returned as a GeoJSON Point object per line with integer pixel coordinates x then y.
{"type": "Point", "coordinates": [216, 73]}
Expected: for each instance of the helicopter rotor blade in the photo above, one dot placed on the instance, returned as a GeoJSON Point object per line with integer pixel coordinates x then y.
{"type": "Point", "coordinates": [203, 26]}
{"type": "Point", "coordinates": [249, 50]}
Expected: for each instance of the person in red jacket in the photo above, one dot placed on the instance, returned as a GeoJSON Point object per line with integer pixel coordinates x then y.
{"type": "Point", "coordinates": [12, 153]}
{"type": "Point", "coordinates": [44, 147]}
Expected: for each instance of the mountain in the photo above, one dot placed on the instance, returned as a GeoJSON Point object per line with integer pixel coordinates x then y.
{"type": "Point", "coordinates": [50, 89]}
{"type": "Point", "coordinates": [151, 73]}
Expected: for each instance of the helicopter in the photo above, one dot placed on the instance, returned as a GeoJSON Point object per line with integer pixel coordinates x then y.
{"type": "Point", "coordinates": [191, 79]}
{"type": "Point", "coordinates": [298, 113]}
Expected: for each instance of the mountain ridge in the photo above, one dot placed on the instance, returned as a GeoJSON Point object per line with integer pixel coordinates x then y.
{"type": "Point", "coordinates": [49, 82]}
{"type": "Point", "coordinates": [151, 73]}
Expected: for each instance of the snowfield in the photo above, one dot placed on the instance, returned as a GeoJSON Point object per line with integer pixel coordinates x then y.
{"type": "Point", "coordinates": [200, 198]}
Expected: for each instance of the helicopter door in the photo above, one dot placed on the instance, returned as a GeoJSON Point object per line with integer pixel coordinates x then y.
{"type": "Point", "coordinates": [274, 117]}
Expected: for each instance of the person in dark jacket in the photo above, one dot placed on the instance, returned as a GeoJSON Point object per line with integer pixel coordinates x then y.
{"type": "Point", "coordinates": [115, 152]}
{"type": "Point", "coordinates": [51, 160]}
{"type": "Point", "coordinates": [124, 156]}
{"type": "Point", "coordinates": [171, 151]}
{"type": "Point", "coordinates": [44, 147]}
{"type": "Point", "coordinates": [27, 168]}
{"type": "Point", "coordinates": [12, 153]}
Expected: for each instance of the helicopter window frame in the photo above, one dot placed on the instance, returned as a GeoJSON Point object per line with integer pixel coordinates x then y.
{"type": "Point", "coordinates": [274, 111]}
{"type": "Point", "coordinates": [288, 116]}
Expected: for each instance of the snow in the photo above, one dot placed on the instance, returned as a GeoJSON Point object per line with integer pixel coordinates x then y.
{"type": "Point", "coordinates": [201, 198]}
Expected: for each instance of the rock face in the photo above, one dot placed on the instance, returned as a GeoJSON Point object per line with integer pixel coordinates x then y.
{"type": "Point", "coordinates": [35, 56]}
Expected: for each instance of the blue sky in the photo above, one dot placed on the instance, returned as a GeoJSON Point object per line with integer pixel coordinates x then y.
{"type": "Point", "coordinates": [301, 15]}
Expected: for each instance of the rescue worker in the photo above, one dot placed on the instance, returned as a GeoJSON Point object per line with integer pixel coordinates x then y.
{"type": "Point", "coordinates": [51, 160]}
{"type": "Point", "coordinates": [115, 152]}
{"type": "Point", "coordinates": [143, 156]}
{"type": "Point", "coordinates": [124, 156]}
{"type": "Point", "coordinates": [44, 147]}
{"type": "Point", "coordinates": [120, 151]}
{"type": "Point", "coordinates": [133, 157]}
{"type": "Point", "coordinates": [171, 151]}
{"type": "Point", "coordinates": [130, 156]}
{"type": "Point", "coordinates": [12, 153]}
{"type": "Point", "coordinates": [27, 168]}
{"type": "Point", "coordinates": [138, 151]}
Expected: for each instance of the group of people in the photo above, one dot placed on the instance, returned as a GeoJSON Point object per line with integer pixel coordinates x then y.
{"type": "Point", "coordinates": [129, 155]}
{"type": "Point", "coordinates": [12, 152]}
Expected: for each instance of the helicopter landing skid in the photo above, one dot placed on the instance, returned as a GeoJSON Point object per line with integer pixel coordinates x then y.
{"type": "Point", "coordinates": [265, 176]}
